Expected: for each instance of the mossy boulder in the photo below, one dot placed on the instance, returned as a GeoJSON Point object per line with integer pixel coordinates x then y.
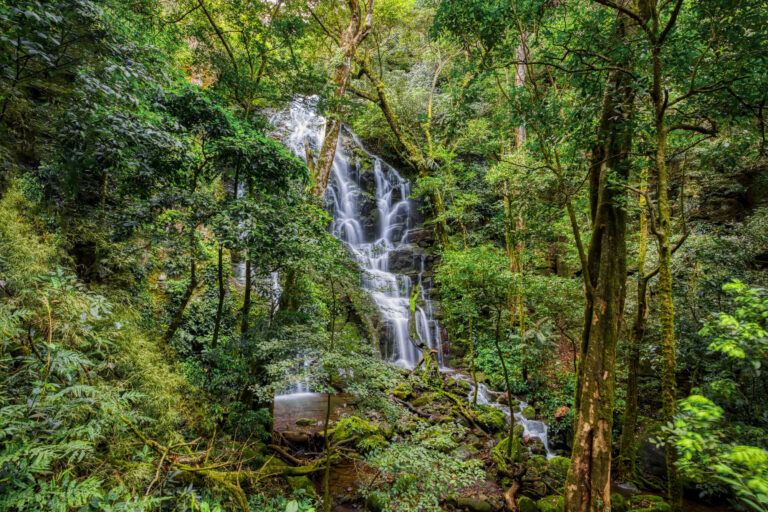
{"type": "Point", "coordinates": [648, 503]}
{"type": "Point", "coordinates": [557, 468]}
{"type": "Point", "coordinates": [302, 482]}
{"type": "Point", "coordinates": [618, 503]}
{"type": "Point", "coordinates": [352, 428]}
{"type": "Point", "coordinates": [529, 412]}
{"type": "Point", "coordinates": [463, 385]}
{"type": "Point", "coordinates": [493, 420]}
{"type": "Point", "coordinates": [526, 504]}
{"type": "Point", "coordinates": [499, 452]}
{"type": "Point", "coordinates": [305, 422]}
{"type": "Point", "coordinates": [518, 431]}
{"type": "Point", "coordinates": [537, 461]}
{"type": "Point", "coordinates": [425, 399]}
{"type": "Point", "coordinates": [551, 504]}
{"type": "Point", "coordinates": [403, 391]}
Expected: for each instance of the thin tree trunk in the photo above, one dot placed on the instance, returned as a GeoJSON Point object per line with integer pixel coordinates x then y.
{"type": "Point", "coordinates": [626, 459]}
{"type": "Point", "coordinates": [327, 503]}
{"type": "Point", "coordinates": [179, 314]}
{"type": "Point", "coordinates": [496, 337]}
{"type": "Point", "coordinates": [220, 308]}
{"type": "Point", "coordinates": [246, 297]}
{"type": "Point", "coordinates": [663, 235]}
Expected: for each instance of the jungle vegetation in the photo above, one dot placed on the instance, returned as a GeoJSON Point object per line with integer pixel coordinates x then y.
{"type": "Point", "coordinates": [591, 180]}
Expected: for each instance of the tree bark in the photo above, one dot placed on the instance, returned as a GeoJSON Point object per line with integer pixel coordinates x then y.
{"type": "Point", "coordinates": [246, 297]}
{"type": "Point", "coordinates": [588, 484]}
{"type": "Point", "coordinates": [356, 31]}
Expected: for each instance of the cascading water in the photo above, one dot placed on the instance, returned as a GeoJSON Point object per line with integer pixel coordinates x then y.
{"type": "Point", "coordinates": [374, 247]}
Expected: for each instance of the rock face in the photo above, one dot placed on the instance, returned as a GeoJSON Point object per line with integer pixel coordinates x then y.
{"type": "Point", "coordinates": [653, 459]}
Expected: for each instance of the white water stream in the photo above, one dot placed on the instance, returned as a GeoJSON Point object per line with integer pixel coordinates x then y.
{"type": "Point", "coordinates": [391, 291]}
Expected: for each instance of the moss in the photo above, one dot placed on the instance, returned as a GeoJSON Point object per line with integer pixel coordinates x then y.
{"type": "Point", "coordinates": [423, 400]}
{"type": "Point", "coordinates": [529, 412]}
{"type": "Point", "coordinates": [648, 503]}
{"type": "Point", "coordinates": [372, 443]}
{"type": "Point", "coordinates": [403, 391]}
{"type": "Point", "coordinates": [518, 431]}
{"type": "Point", "coordinates": [551, 504]}
{"type": "Point", "coordinates": [474, 505]}
{"type": "Point", "coordinates": [493, 420]}
{"type": "Point", "coordinates": [302, 482]}
{"type": "Point", "coordinates": [499, 452]}
{"type": "Point", "coordinates": [305, 422]}
{"type": "Point", "coordinates": [618, 503]}
{"type": "Point", "coordinates": [537, 461]}
{"type": "Point", "coordinates": [557, 468]}
{"type": "Point", "coordinates": [526, 504]}
{"type": "Point", "coordinates": [353, 427]}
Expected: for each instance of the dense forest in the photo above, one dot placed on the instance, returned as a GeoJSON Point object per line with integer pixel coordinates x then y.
{"type": "Point", "coordinates": [383, 255]}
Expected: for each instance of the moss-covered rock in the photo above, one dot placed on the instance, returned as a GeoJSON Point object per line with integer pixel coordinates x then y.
{"type": "Point", "coordinates": [305, 422]}
{"type": "Point", "coordinates": [474, 505]}
{"type": "Point", "coordinates": [403, 391]}
{"type": "Point", "coordinates": [493, 420]}
{"type": "Point", "coordinates": [353, 428]}
{"type": "Point", "coordinates": [537, 461]}
{"type": "Point", "coordinates": [499, 452]}
{"type": "Point", "coordinates": [618, 503]}
{"type": "Point", "coordinates": [526, 504]}
{"type": "Point", "coordinates": [648, 503]}
{"type": "Point", "coordinates": [551, 504]}
{"type": "Point", "coordinates": [518, 431]}
{"type": "Point", "coordinates": [302, 482]}
{"type": "Point", "coordinates": [557, 469]}
{"type": "Point", "coordinates": [529, 412]}
{"type": "Point", "coordinates": [425, 399]}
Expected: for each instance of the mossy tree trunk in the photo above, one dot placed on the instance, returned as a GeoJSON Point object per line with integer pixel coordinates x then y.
{"type": "Point", "coordinates": [588, 484]}
{"type": "Point", "coordinates": [626, 459]}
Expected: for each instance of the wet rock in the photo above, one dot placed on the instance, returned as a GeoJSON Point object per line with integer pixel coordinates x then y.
{"type": "Point", "coordinates": [305, 422]}
{"type": "Point", "coordinates": [551, 504]}
{"type": "Point", "coordinates": [423, 237]}
{"type": "Point", "coordinates": [536, 446]}
{"type": "Point", "coordinates": [404, 260]}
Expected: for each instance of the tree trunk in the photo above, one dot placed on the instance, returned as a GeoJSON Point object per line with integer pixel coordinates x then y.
{"type": "Point", "coordinates": [179, 314]}
{"type": "Point", "coordinates": [663, 235]}
{"type": "Point", "coordinates": [588, 484]}
{"type": "Point", "coordinates": [220, 307]}
{"type": "Point", "coordinates": [497, 335]}
{"type": "Point", "coordinates": [356, 31]}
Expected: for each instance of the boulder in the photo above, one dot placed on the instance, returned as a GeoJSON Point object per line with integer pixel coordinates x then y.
{"type": "Point", "coordinates": [302, 482]}
{"type": "Point", "coordinates": [493, 420]}
{"type": "Point", "coordinates": [653, 460]}
{"type": "Point", "coordinates": [551, 504]}
{"type": "Point", "coordinates": [305, 422]}
{"type": "Point", "coordinates": [529, 413]}
{"type": "Point", "coordinates": [518, 430]}
{"type": "Point", "coordinates": [403, 391]}
{"type": "Point", "coordinates": [526, 504]}
{"type": "Point", "coordinates": [423, 237]}
{"type": "Point", "coordinates": [352, 428]}
{"type": "Point", "coordinates": [423, 400]}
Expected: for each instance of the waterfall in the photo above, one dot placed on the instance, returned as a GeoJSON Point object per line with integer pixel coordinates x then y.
{"type": "Point", "coordinates": [371, 244]}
